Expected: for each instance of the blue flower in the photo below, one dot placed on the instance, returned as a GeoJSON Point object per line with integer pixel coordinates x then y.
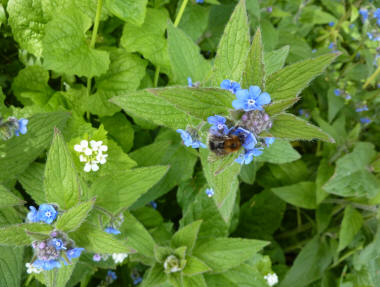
{"type": "Point", "coordinates": [332, 46]}
{"type": "Point", "coordinates": [269, 141]}
{"type": "Point", "coordinates": [376, 14]}
{"type": "Point", "coordinates": [153, 204]}
{"type": "Point", "coordinates": [74, 253]}
{"type": "Point", "coordinates": [247, 156]}
{"type": "Point", "coordinates": [112, 230]}
{"type": "Point", "coordinates": [348, 97]}
{"type": "Point", "coordinates": [46, 213]}
{"type": "Point", "coordinates": [137, 280]}
{"type": "Point", "coordinates": [189, 141]}
{"type": "Point", "coordinates": [246, 137]}
{"type": "Point", "coordinates": [22, 123]}
{"type": "Point", "coordinates": [364, 13]}
{"type": "Point", "coordinates": [57, 244]}
{"type": "Point", "coordinates": [314, 50]}
{"type": "Point", "coordinates": [219, 124]}
{"type": "Point", "coordinates": [351, 26]}
{"type": "Point", "coordinates": [250, 100]}
{"type": "Point", "coordinates": [47, 264]}
{"type": "Point", "coordinates": [32, 214]}
{"type": "Point", "coordinates": [230, 86]}
{"type": "Point", "coordinates": [362, 109]}
{"type": "Point", "coordinates": [199, 1]}
{"type": "Point", "coordinates": [337, 92]}
{"type": "Point", "coordinates": [209, 192]}
{"type": "Point", "coordinates": [365, 120]}
{"type": "Point", "coordinates": [112, 275]}
{"type": "Point", "coordinates": [96, 257]}
{"type": "Point", "coordinates": [331, 24]}
{"type": "Point", "coordinates": [189, 82]}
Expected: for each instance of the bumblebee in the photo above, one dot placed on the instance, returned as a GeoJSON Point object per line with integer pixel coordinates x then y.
{"type": "Point", "coordinates": [222, 145]}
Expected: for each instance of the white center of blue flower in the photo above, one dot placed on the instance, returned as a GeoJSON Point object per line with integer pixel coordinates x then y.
{"type": "Point", "coordinates": [220, 126]}
{"type": "Point", "coordinates": [47, 213]}
{"type": "Point", "coordinates": [58, 244]}
{"type": "Point", "coordinates": [251, 102]}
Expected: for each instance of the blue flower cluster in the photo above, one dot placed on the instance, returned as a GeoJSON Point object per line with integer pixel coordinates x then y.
{"type": "Point", "coordinates": [188, 140]}
{"type": "Point", "coordinates": [45, 213]}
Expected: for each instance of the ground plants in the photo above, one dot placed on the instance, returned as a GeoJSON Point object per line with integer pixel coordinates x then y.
{"type": "Point", "coordinates": [189, 143]}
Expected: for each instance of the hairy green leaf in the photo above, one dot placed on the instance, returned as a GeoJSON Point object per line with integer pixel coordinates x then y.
{"type": "Point", "coordinates": [7, 198]}
{"type": "Point", "coordinates": [132, 11]}
{"type": "Point", "coordinates": [74, 217]}
{"type": "Point", "coordinates": [301, 194]}
{"type": "Point", "coordinates": [16, 235]}
{"type": "Point", "coordinates": [275, 60]}
{"type": "Point", "coordinates": [351, 224]}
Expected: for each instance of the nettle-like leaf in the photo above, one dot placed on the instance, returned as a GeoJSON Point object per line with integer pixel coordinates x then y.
{"type": "Point", "coordinates": [233, 48]}
{"type": "Point", "coordinates": [57, 277]}
{"type": "Point", "coordinates": [132, 11]}
{"type": "Point", "coordinates": [186, 236]}
{"type": "Point", "coordinates": [275, 60]}
{"type": "Point", "coordinates": [61, 181]}
{"type": "Point", "coordinates": [74, 217]}
{"type": "Point", "coordinates": [8, 198]}
{"type": "Point", "coordinates": [351, 224]}
{"type": "Point", "coordinates": [65, 46]}
{"type": "Point", "coordinates": [17, 235]}
{"type": "Point", "coordinates": [301, 194]}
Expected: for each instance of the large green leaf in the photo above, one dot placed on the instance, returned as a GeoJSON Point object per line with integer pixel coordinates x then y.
{"type": "Point", "coordinates": [224, 253]}
{"type": "Point", "coordinates": [185, 57]}
{"type": "Point", "coordinates": [132, 11]}
{"type": "Point", "coordinates": [57, 277]}
{"type": "Point", "coordinates": [11, 266]}
{"type": "Point", "coordinates": [8, 199]}
{"type": "Point", "coordinates": [275, 60]}
{"type": "Point", "coordinates": [61, 182]}
{"type": "Point", "coordinates": [351, 224]}
{"type": "Point", "coordinates": [21, 151]}
{"type": "Point", "coordinates": [66, 49]}
{"type": "Point", "coordinates": [254, 72]}
{"type": "Point", "coordinates": [281, 151]}
{"type": "Point", "coordinates": [301, 194]}
{"type": "Point", "coordinates": [74, 217]}
{"type": "Point", "coordinates": [120, 191]}
{"type": "Point", "coordinates": [197, 102]}
{"type": "Point", "coordinates": [186, 236]}
{"type": "Point", "coordinates": [290, 127]}
{"type": "Point", "coordinates": [291, 80]}
{"type": "Point", "coordinates": [233, 48]}
{"type": "Point", "coordinates": [16, 235]}
{"type": "Point", "coordinates": [194, 281]}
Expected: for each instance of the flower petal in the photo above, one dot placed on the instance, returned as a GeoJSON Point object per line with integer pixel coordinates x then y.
{"type": "Point", "coordinates": [242, 95]}
{"type": "Point", "coordinates": [263, 99]}
{"type": "Point", "coordinates": [238, 104]}
{"type": "Point", "coordinates": [225, 84]}
{"type": "Point", "coordinates": [254, 92]}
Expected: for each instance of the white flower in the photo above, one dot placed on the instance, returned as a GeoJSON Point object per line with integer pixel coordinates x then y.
{"type": "Point", "coordinates": [91, 154]}
{"type": "Point", "coordinates": [31, 269]}
{"type": "Point", "coordinates": [119, 257]}
{"type": "Point", "coordinates": [271, 278]}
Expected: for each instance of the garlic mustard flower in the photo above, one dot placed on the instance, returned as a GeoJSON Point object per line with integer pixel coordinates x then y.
{"type": "Point", "coordinates": [271, 278]}
{"type": "Point", "coordinates": [92, 153]}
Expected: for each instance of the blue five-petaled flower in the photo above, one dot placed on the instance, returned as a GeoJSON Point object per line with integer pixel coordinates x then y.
{"type": "Point", "coordinates": [218, 124]}
{"type": "Point", "coordinates": [189, 141]}
{"type": "Point", "coordinates": [22, 123]}
{"type": "Point", "coordinates": [45, 213]}
{"type": "Point", "coordinates": [112, 230]}
{"type": "Point", "coordinates": [46, 264]}
{"type": "Point", "coordinates": [247, 156]}
{"type": "Point", "coordinates": [230, 86]}
{"type": "Point", "coordinates": [251, 99]}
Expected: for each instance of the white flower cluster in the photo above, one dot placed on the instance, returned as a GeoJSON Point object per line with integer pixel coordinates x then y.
{"type": "Point", "coordinates": [31, 269]}
{"type": "Point", "coordinates": [119, 257]}
{"type": "Point", "coordinates": [271, 278]}
{"type": "Point", "coordinates": [92, 154]}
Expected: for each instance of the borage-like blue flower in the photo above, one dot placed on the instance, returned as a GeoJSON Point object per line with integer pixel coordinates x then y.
{"type": "Point", "coordinates": [247, 138]}
{"type": "Point", "coordinates": [46, 213]}
{"type": "Point", "coordinates": [57, 244]}
{"type": "Point", "coordinates": [22, 123]}
{"type": "Point", "coordinates": [189, 141]}
{"type": "Point", "coordinates": [32, 214]}
{"type": "Point", "coordinates": [252, 99]}
{"type": "Point", "coordinates": [74, 253]}
{"type": "Point", "coordinates": [364, 13]}
{"type": "Point", "coordinates": [337, 92]}
{"type": "Point", "coordinates": [218, 124]}
{"type": "Point", "coordinates": [209, 192]}
{"type": "Point", "coordinates": [231, 86]}
{"type": "Point", "coordinates": [46, 264]}
{"type": "Point", "coordinates": [247, 156]}
{"type": "Point", "coordinates": [112, 275]}
{"type": "Point", "coordinates": [112, 230]}
{"type": "Point", "coordinates": [365, 120]}
{"type": "Point", "coordinates": [269, 141]}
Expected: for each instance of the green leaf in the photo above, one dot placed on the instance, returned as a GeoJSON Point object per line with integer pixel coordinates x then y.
{"type": "Point", "coordinates": [138, 237]}
{"type": "Point", "coordinates": [351, 224]}
{"type": "Point", "coordinates": [281, 151]}
{"type": "Point", "coordinates": [313, 14]}
{"type": "Point", "coordinates": [65, 46]}
{"type": "Point", "coordinates": [124, 75]}
{"type": "Point", "coordinates": [309, 265]}
{"type": "Point", "coordinates": [291, 80]}
{"type": "Point", "coordinates": [195, 266]}
{"type": "Point", "coordinates": [131, 11]}
{"type": "Point", "coordinates": [197, 102]}
{"type": "Point", "coordinates": [290, 127]}
{"type": "Point", "coordinates": [96, 240]}
{"type": "Point", "coordinates": [275, 60]}
{"type": "Point", "coordinates": [233, 48]}
{"type": "Point", "coordinates": [352, 177]}
{"type": "Point", "coordinates": [254, 72]}
{"type": "Point", "coordinates": [61, 181]}
{"type": "Point", "coordinates": [21, 151]}
{"type": "Point", "coordinates": [301, 194]}
{"type": "Point", "coordinates": [149, 38]}
{"type": "Point", "coordinates": [120, 191]}
{"type": "Point", "coordinates": [185, 57]}
{"type": "Point", "coordinates": [16, 235]}
{"type": "Point", "coordinates": [325, 171]}
{"type": "Point", "coordinates": [74, 217]}
{"type": "Point", "coordinates": [8, 199]}
{"type": "Point", "coordinates": [186, 236]}
{"type": "Point", "coordinates": [11, 266]}
{"type": "Point", "coordinates": [194, 14]}
{"type": "Point", "coordinates": [153, 108]}
{"type": "Point", "coordinates": [31, 86]}
{"type": "Point", "coordinates": [155, 276]}
{"type": "Point", "coordinates": [194, 281]}
{"type": "Point", "coordinates": [277, 107]}
{"type": "Point", "coordinates": [57, 277]}
{"type": "Point", "coordinates": [224, 253]}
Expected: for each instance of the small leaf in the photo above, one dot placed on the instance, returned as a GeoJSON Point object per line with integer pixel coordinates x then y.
{"type": "Point", "coordinates": [351, 224]}
{"type": "Point", "coordinates": [275, 60]}
{"type": "Point", "coordinates": [155, 276]}
{"type": "Point", "coordinates": [16, 235]}
{"type": "Point", "coordinates": [290, 127]}
{"type": "Point", "coordinates": [291, 80]}
{"type": "Point", "coordinates": [74, 217]}
{"type": "Point", "coordinates": [233, 48]}
{"type": "Point", "coordinates": [224, 253]}
{"type": "Point", "coordinates": [185, 57]}
{"type": "Point", "coordinates": [195, 266]}
{"type": "Point", "coordinates": [281, 151]}
{"type": "Point", "coordinates": [186, 236]}
{"type": "Point", "coordinates": [301, 194]}
{"type": "Point", "coordinates": [61, 181]}
{"type": "Point", "coordinates": [132, 11]}
{"type": "Point", "coordinates": [8, 199]}
{"type": "Point", "coordinates": [280, 106]}
{"type": "Point", "coordinates": [254, 72]}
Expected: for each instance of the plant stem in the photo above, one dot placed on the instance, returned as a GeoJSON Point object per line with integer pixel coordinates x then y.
{"type": "Point", "coordinates": [372, 77]}
{"type": "Point", "coordinates": [176, 22]}
{"type": "Point", "coordinates": [93, 37]}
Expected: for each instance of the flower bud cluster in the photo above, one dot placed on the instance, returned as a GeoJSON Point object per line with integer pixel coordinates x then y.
{"type": "Point", "coordinates": [12, 126]}
{"type": "Point", "coordinates": [92, 154]}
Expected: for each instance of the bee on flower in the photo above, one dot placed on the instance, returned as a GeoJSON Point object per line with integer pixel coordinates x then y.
{"type": "Point", "coordinates": [92, 153]}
